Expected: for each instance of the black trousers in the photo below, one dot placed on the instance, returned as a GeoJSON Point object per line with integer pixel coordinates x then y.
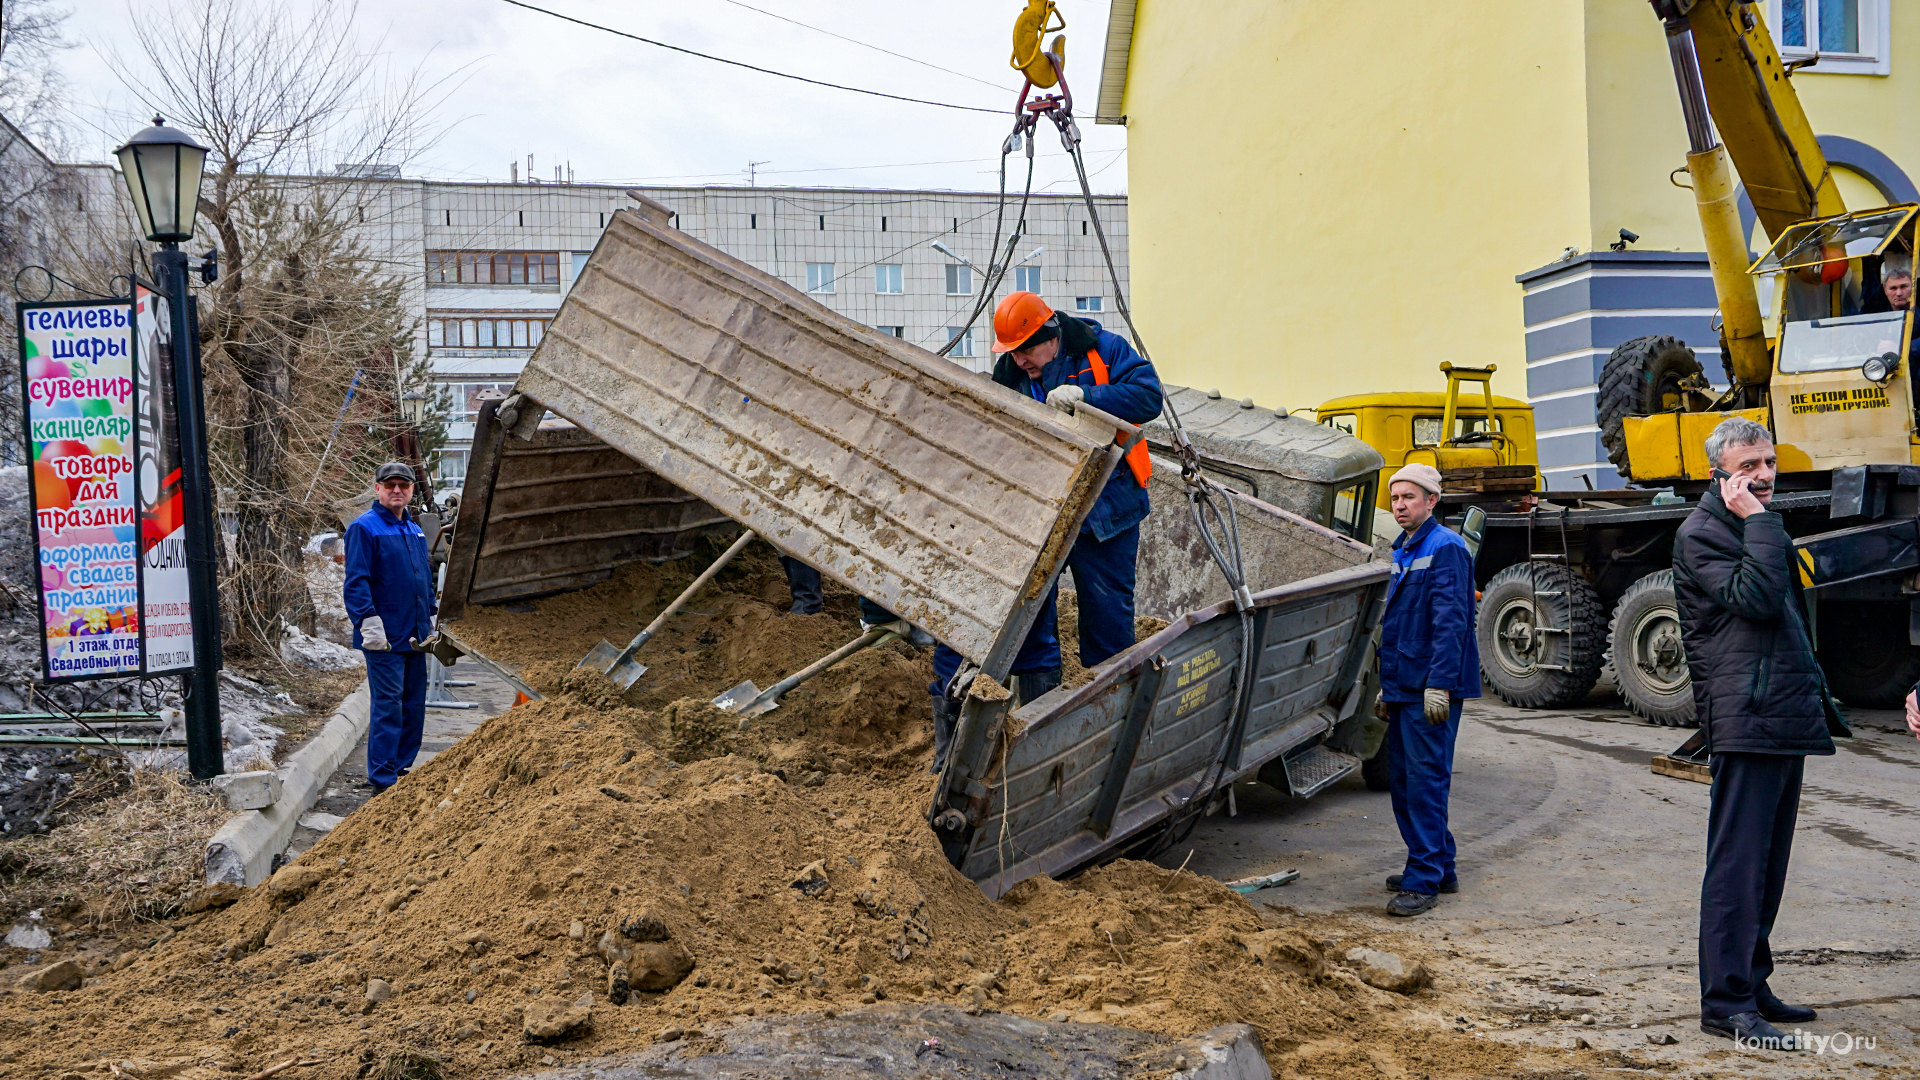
{"type": "Point", "coordinates": [1755, 801]}
{"type": "Point", "coordinates": [803, 585]}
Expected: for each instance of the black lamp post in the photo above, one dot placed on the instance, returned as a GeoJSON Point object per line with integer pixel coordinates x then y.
{"type": "Point", "coordinates": [163, 167]}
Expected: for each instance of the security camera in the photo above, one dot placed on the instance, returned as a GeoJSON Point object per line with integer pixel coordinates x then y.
{"type": "Point", "coordinates": [1627, 236]}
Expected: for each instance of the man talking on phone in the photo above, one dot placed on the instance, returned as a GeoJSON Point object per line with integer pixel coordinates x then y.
{"type": "Point", "coordinates": [1763, 707]}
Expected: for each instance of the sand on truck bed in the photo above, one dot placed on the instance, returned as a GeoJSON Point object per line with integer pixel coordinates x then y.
{"type": "Point", "coordinates": [588, 873]}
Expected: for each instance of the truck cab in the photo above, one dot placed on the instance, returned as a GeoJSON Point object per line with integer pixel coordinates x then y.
{"type": "Point", "coordinates": [1472, 440]}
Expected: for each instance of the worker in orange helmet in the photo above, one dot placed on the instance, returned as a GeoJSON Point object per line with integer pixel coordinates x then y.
{"type": "Point", "coordinates": [1065, 361]}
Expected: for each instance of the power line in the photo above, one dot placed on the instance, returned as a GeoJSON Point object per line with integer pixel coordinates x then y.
{"type": "Point", "coordinates": [751, 67]}
{"type": "Point", "coordinates": [864, 45]}
{"type": "Point", "coordinates": [827, 168]}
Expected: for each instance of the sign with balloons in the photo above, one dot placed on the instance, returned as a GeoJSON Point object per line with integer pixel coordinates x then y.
{"type": "Point", "coordinates": [82, 409]}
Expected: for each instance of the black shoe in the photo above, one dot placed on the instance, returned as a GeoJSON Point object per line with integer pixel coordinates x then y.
{"type": "Point", "coordinates": [1411, 903]}
{"type": "Point", "coordinates": [1749, 1031]}
{"type": "Point", "coordinates": [1779, 1012]}
{"type": "Point", "coordinates": [1393, 884]}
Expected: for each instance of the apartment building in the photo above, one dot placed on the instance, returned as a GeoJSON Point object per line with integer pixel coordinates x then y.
{"type": "Point", "coordinates": [495, 260]}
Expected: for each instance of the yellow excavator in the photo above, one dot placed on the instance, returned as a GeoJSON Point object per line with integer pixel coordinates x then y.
{"type": "Point", "coordinates": [1805, 352]}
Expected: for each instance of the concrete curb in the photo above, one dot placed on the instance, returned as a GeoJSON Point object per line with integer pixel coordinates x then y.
{"type": "Point", "coordinates": [242, 851]}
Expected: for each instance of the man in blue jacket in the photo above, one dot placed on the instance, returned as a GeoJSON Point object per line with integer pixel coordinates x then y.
{"type": "Point", "coordinates": [1064, 361]}
{"type": "Point", "coordinates": [1429, 663]}
{"type": "Point", "coordinates": [390, 602]}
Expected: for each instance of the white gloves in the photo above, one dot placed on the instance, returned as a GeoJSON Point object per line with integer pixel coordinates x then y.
{"type": "Point", "coordinates": [373, 635]}
{"type": "Point", "coordinates": [1066, 397]}
{"type": "Point", "coordinates": [1438, 706]}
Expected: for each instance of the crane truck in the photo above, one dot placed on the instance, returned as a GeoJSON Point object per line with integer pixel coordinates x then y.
{"type": "Point", "coordinates": [1581, 579]}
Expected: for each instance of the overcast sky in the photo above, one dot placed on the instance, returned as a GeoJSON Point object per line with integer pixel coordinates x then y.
{"type": "Point", "coordinates": [618, 110]}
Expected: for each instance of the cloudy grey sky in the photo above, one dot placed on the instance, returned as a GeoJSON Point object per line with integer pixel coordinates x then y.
{"type": "Point", "coordinates": [619, 110]}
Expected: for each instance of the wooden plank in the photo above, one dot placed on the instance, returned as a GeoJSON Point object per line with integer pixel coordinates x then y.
{"type": "Point", "coordinates": [1487, 472]}
{"type": "Point", "coordinates": [1668, 765]}
{"type": "Point", "coordinates": [476, 495]}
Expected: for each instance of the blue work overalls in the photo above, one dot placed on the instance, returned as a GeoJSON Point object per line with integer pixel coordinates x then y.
{"type": "Point", "coordinates": [390, 576]}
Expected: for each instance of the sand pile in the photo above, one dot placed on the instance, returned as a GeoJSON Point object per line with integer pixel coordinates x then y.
{"type": "Point", "coordinates": [490, 910]}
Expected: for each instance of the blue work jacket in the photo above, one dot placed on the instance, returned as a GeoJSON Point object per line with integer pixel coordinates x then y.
{"type": "Point", "coordinates": [1132, 393]}
{"type": "Point", "coordinates": [389, 575]}
{"type": "Point", "coordinates": [1426, 636]}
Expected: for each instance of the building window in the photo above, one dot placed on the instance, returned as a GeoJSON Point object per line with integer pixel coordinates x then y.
{"type": "Point", "coordinates": [823, 223]}
{"type": "Point", "coordinates": [493, 268]}
{"type": "Point", "coordinates": [466, 400]}
{"type": "Point", "coordinates": [1849, 36]}
{"type": "Point", "coordinates": [819, 277]}
{"type": "Point", "coordinates": [485, 333]}
{"type": "Point", "coordinates": [753, 221]}
{"type": "Point", "coordinates": [964, 350]}
{"type": "Point", "coordinates": [1026, 279]}
{"type": "Point", "coordinates": [451, 469]}
{"type": "Point", "coordinates": [1089, 303]}
{"type": "Point", "coordinates": [959, 280]}
{"type": "Point", "coordinates": [1347, 422]}
{"type": "Point", "coordinates": [886, 278]}
{"type": "Point", "coordinates": [894, 331]}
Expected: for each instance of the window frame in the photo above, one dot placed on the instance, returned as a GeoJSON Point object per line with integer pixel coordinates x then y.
{"type": "Point", "coordinates": [1090, 305]}
{"type": "Point", "coordinates": [959, 274]}
{"type": "Point", "coordinates": [466, 330]}
{"type": "Point", "coordinates": [1874, 56]}
{"type": "Point", "coordinates": [963, 351]}
{"type": "Point", "coordinates": [820, 278]}
{"type": "Point", "coordinates": [511, 268]}
{"type": "Point", "coordinates": [1027, 279]}
{"type": "Point", "coordinates": [893, 274]}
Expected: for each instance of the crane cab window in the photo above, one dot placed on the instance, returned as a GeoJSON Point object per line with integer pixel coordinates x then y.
{"type": "Point", "coordinates": [1426, 429]}
{"type": "Point", "coordinates": [1347, 422]}
{"type": "Point", "coordinates": [1839, 344]}
{"type": "Point", "coordinates": [1812, 243]}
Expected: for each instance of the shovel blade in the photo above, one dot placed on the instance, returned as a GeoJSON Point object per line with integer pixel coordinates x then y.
{"type": "Point", "coordinates": [600, 658]}
{"type": "Point", "coordinates": [625, 675]}
{"type": "Point", "coordinates": [739, 697]}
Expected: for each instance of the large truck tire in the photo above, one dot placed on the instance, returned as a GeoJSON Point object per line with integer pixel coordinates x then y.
{"type": "Point", "coordinates": [1532, 667]}
{"type": "Point", "coordinates": [1865, 653]}
{"type": "Point", "coordinates": [1649, 661]}
{"type": "Point", "coordinates": [1641, 377]}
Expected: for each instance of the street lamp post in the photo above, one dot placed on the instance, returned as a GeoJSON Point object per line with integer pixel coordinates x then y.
{"type": "Point", "coordinates": [163, 167]}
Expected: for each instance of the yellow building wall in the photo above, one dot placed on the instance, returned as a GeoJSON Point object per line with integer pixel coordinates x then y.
{"type": "Point", "coordinates": [1330, 198]}
{"type": "Point", "coordinates": [1637, 135]}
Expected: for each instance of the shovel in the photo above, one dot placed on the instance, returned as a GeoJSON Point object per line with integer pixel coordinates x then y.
{"type": "Point", "coordinates": [749, 700]}
{"type": "Point", "coordinates": [619, 664]}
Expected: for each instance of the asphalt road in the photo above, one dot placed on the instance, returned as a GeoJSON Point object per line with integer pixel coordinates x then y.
{"type": "Point", "coordinates": [1580, 874]}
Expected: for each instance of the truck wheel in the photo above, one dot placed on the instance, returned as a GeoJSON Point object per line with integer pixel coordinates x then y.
{"type": "Point", "coordinates": [1864, 651]}
{"type": "Point", "coordinates": [1545, 659]}
{"type": "Point", "coordinates": [1374, 770]}
{"type": "Point", "coordinates": [1641, 377]}
{"type": "Point", "coordinates": [1649, 662]}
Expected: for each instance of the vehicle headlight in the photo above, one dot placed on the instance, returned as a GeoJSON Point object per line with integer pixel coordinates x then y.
{"type": "Point", "coordinates": [1878, 369]}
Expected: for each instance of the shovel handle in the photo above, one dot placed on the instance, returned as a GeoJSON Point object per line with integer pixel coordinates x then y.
{"type": "Point", "coordinates": [680, 601]}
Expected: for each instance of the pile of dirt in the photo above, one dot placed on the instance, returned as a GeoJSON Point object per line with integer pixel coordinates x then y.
{"type": "Point", "coordinates": [590, 873]}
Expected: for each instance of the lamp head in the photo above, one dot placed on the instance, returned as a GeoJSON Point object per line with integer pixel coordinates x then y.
{"type": "Point", "coordinates": [163, 166]}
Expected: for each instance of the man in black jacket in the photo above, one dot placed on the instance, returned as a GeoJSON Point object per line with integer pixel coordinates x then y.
{"type": "Point", "coordinates": [1763, 706]}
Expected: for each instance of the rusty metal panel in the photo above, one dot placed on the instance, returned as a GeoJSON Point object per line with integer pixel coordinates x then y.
{"type": "Point", "coordinates": [1051, 809]}
{"type": "Point", "coordinates": [940, 495]}
{"type": "Point", "coordinates": [1176, 574]}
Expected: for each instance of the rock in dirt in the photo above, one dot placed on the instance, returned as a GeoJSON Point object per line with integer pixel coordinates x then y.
{"type": "Point", "coordinates": [1663, 1038]}
{"type": "Point", "coordinates": [217, 895]}
{"type": "Point", "coordinates": [657, 966]}
{"type": "Point", "coordinates": [379, 990]}
{"type": "Point", "coordinates": [291, 882]}
{"type": "Point", "coordinates": [922, 1040]}
{"type": "Point", "coordinates": [1389, 971]}
{"type": "Point", "coordinates": [548, 1019]}
{"type": "Point", "coordinates": [29, 934]}
{"type": "Point", "coordinates": [645, 926]}
{"type": "Point", "coordinates": [64, 975]}
{"type": "Point", "coordinates": [1287, 950]}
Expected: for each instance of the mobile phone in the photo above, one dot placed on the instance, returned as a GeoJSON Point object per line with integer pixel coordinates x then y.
{"type": "Point", "coordinates": [1721, 474]}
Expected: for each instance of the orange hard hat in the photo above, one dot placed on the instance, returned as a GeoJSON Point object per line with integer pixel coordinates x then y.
{"type": "Point", "coordinates": [1018, 318]}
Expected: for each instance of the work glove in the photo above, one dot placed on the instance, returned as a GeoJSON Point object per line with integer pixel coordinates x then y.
{"type": "Point", "coordinates": [373, 635]}
{"type": "Point", "coordinates": [1065, 398]}
{"type": "Point", "coordinates": [1438, 706]}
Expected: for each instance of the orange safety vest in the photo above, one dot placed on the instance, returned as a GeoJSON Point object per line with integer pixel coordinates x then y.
{"type": "Point", "coordinates": [1137, 458]}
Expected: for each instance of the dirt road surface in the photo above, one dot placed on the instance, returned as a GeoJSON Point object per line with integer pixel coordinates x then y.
{"type": "Point", "coordinates": [1580, 874]}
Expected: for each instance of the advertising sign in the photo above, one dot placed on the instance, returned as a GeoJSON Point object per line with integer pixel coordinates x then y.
{"type": "Point", "coordinates": [77, 376]}
{"type": "Point", "coordinates": [166, 624]}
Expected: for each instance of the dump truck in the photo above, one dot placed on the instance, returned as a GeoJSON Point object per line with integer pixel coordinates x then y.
{"type": "Point", "coordinates": [681, 393]}
{"type": "Point", "coordinates": [1585, 578]}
